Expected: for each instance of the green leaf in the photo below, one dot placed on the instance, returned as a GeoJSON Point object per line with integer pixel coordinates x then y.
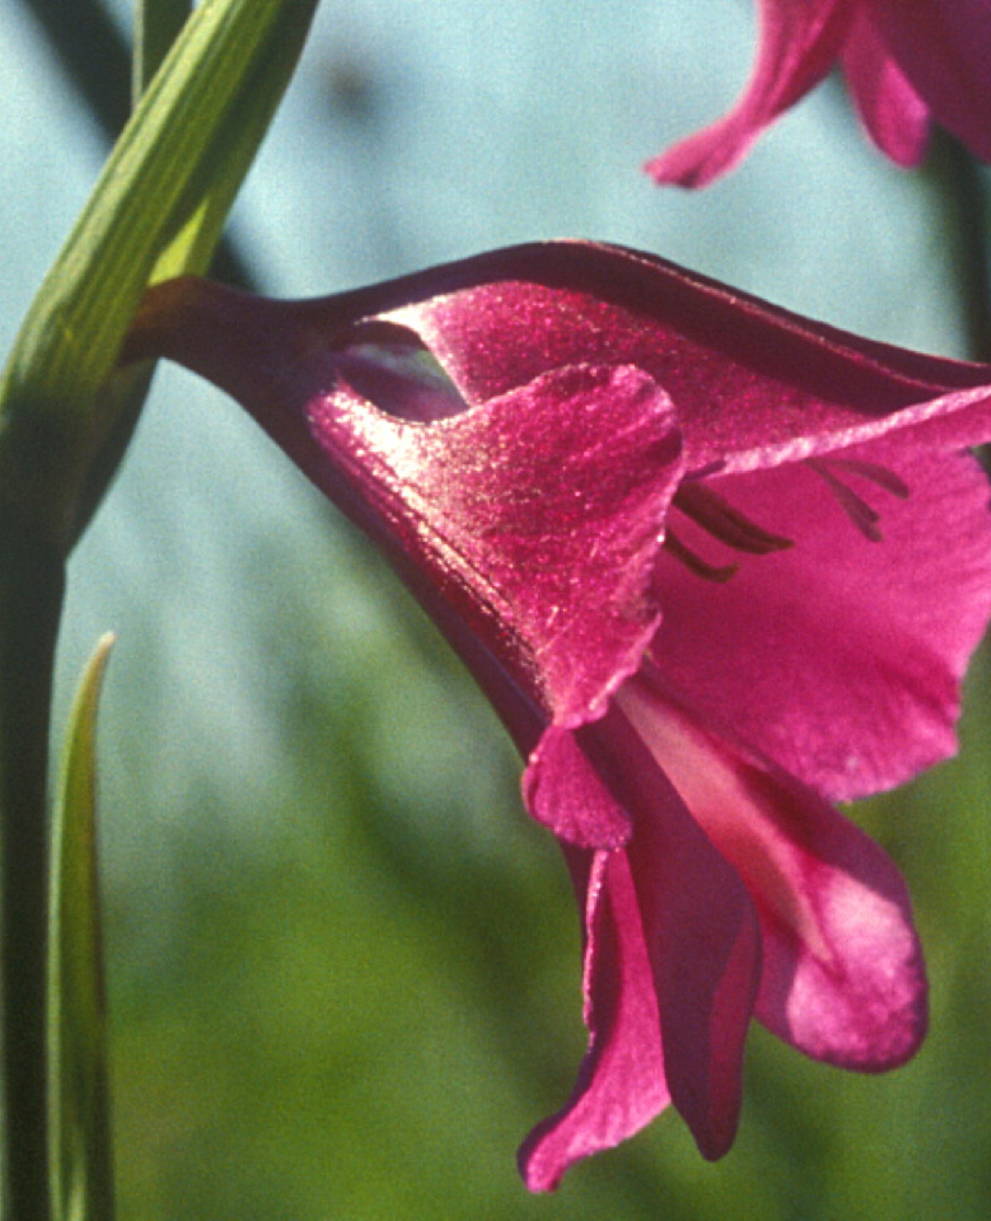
{"type": "Point", "coordinates": [157, 24]}
{"type": "Point", "coordinates": [80, 1134]}
{"type": "Point", "coordinates": [200, 214]}
{"type": "Point", "coordinates": [168, 182]}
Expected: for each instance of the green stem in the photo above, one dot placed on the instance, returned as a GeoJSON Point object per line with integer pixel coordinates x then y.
{"type": "Point", "coordinates": [31, 589]}
{"type": "Point", "coordinates": [963, 196]}
{"type": "Point", "coordinates": [94, 57]}
{"type": "Point", "coordinates": [157, 24]}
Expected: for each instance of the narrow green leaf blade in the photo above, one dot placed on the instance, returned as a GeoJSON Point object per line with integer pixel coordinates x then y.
{"type": "Point", "coordinates": [156, 26]}
{"type": "Point", "coordinates": [80, 1133]}
{"type": "Point", "coordinates": [199, 216]}
{"type": "Point", "coordinates": [54, 412]}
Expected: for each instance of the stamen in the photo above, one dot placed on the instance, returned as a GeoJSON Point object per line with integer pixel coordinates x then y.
{"type": "Point", "coordinates": [856, 508]}
{"type": "Point", "coordinates": [875, 472]}
{"type": "Point", "coordinates": [720, 519]}
{"type": "Point", "coordinates": [858, 511]}
{"type": "Point", "coordinates": [694, 563]}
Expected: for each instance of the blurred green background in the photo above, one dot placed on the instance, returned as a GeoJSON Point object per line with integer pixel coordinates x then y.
{"type": "Point", "coordinates": [344, 968]}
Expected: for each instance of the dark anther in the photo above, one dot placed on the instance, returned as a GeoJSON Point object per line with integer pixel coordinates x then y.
{"type": "Point", "coordinates": [720, 519]}
{"type": "Point", "coordinates": [674, 545]}
{"type": "Point", "coordinates": [855, 507]}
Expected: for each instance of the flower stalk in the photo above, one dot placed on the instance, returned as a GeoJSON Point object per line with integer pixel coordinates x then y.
{"type": "Point", "coordinates": [65, 422]}
{"type": "Point", "coordinates": [31, 590]}
{"type": "Point", "coordinates": [964, 204]}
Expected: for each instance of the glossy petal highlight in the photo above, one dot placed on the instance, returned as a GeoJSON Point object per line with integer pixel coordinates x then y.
{"type": "Point", "coordinates": [518, 508]}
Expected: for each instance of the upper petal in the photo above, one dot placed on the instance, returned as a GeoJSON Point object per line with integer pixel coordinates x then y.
{"type": "Point", "coordinates": [944, 49]}
{"type": "Point", "coordinates": [621, 1084]}
{"type": "Point", "coordinates": [797, 46]}
{"type": "Point", "coordinates": [896, 117]}
{"type": "Point", "coordinates": [754, 385]}
{"type": "Point", "coordinates": [840, 657]}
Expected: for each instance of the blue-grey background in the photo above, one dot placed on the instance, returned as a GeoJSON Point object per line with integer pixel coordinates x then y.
{"type": "Point", "coordinates": [343, 966]}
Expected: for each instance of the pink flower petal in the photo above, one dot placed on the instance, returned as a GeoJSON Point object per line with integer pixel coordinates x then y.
{"type": "Point", "coordinates": [840, 657]}
{"type": "Point", "coordinates": [896, 117]}
{"type": "Point", "coordinates": [701, 934]}
{"type": "Point", "coordinates": [534, 517]}
{"type": "Point", "coordinates": [538, 515]}
{"type": "Point", "coordinates": [621, 1084]}
{"type": "Point", "coordinates": [944, 49]}
{"type": "Point", "coordinates": [843, 978]}
{"type": "Point", "coordinates": [798, 43]}
{"type": "Point", "coordinates": [753, 384]}
{"type": "Point", "coordinates": [854, 992]}
{"type": "Point", "coordinates": [599, 405]}
{"type": "Point", "coordinates": [754, 387]}
{"type": "Point", "coordinates": [563, 790]}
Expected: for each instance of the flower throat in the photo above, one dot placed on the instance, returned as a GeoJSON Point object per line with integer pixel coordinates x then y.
{"type": "Point", "coordinates": [722, 521]}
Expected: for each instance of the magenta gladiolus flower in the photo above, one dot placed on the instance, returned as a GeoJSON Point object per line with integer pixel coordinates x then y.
{"type": "Point", "coordinates": [715, 565]}
{"type": "Point", "coordinates": [906, 64]}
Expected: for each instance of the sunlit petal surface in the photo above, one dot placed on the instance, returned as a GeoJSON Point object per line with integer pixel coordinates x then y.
{"type": "Point", "coordinates": [715, 564]}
